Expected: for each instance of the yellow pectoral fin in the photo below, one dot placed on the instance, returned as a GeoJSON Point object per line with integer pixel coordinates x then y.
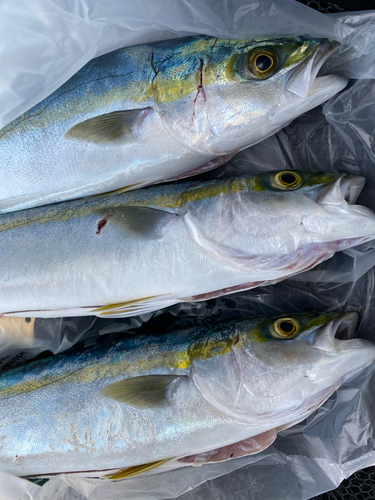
{"type": "Point", "coordinates": [145, 391]}
{"type": "Point", "coordinates": [139, 221]}
{"type": "Point", "coordinates": [135, 470]}
{"type": "Point", "coordinates": [121, 126]}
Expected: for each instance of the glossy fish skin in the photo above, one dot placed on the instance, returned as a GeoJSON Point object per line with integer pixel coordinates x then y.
{"type": "Point", "coordinates": [157, 111]}
{"type": "Point", "coordinates": [232, 381]}
{"type": "Point", "coordinates": [144, 250]}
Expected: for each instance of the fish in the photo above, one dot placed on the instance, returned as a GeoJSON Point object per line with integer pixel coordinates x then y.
{"type": "Point", "coordinates": [159, 111]}
{"type": "Point", "coordinates": [203, 394]}
{"type": "Point", "coordinates": [142, 251]}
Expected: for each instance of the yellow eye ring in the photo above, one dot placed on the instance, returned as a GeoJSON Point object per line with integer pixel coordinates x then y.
{"type": "Point", "coordinates": [262, 63]}
{"type": "Point", "coordinates": [287, 180]}
{"type": "Point", "coordinates": [285, 328]}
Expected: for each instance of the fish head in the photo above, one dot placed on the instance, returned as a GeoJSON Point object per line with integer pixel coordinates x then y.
{"type": "Point", "coordinates": [217, 96]}
{"type": "Point", "coordinates": [278, 370]}
{"type": "Point", "coordinates": [276, 224]}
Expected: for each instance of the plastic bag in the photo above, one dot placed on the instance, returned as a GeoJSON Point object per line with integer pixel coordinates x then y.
{"type": "Point", "coordinates": [50, 43]}
{"type": "Point", "coordinates": [45, 43]}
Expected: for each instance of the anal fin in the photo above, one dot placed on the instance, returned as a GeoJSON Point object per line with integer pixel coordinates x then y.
{"type": "Point", "coordinates": [135, 307]}
{"type": "Point", "coordinates": [135, 470]}
{"type": "Point", "coordinates": [119, 310]}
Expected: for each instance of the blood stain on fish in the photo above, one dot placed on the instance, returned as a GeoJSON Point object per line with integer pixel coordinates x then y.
{"type": "Point", "coordinates": [200, 87]}
{"type": "Point", "coordinates": [101, 225]}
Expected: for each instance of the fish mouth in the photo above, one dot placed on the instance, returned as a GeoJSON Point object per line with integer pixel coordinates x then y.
{"type": "Point", "coordinates": [349, 355]}
{"type": "Point", "coordinates": [343, 192]}
{"type": "Point", "coordinates": [351, 187]}
{"type": "Point", "coordinates": [344, 327]}
{"type": "Point", "coordinates": [345, 188]}
{"type": "Point", "coordinates": [305, 82]}
{"type": "Point", "coordinates": [335, 336]}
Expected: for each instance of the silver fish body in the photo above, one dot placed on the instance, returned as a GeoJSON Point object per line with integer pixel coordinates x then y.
{"type": "Point", "coordinates": [158, 111]}
{"type": "Point", "coordinates": [95, 410]}
{"type": "Point", "coordinates": [144, 250]}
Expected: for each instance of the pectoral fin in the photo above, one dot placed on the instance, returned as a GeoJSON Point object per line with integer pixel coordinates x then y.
{"type": "Point", "coordinates": [135, 470]}
{"type": "Point", "coordinates": [143, 392]}
{"type": "Point", "coordinates": [140, 221]}
{"type": "Point", "coordinates": [111, 127]}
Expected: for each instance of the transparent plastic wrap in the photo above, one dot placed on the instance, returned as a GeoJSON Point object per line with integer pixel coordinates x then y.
{"type": "Point", "coordinates": [338, 438]}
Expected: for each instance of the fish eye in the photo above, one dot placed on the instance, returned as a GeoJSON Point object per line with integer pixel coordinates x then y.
{"type": "Point", "coordinates": [262, 63]}
{"type": "Point", "coordinates": [284, 328]}
{"type": "Point", "coordinates": [287, 180]}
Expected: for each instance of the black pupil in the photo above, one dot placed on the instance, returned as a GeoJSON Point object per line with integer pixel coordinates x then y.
{"type": "Point", "coordinates": [288, 179]}
{"type": "Point", "coordinates": [286, 326]}
{"type": "Point", "coordinates": [263, 63]}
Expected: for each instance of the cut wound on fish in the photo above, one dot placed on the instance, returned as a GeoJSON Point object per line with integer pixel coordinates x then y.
{"type": "Point", "coordinates": [200, 87]}
{"type": "Point", "coordinates": [101, 225]}
{"type": "Point", "coordinates": [110, 127]}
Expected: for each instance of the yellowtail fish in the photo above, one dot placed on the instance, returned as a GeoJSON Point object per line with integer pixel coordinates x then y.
{"type": "Point", "coordinates": [141, 251]}
{"type": "Point", "coordinates": [188, 397]}
{"type": "Point", "coordinates": [158, 111]}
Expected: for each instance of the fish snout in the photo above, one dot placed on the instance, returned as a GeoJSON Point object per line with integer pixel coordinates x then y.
{"type": "Point", "coordinates": [341, 216]}
{"type": "Point", "coordinates": [341, 354]}
{"type": "Point", "coordinates": [304, 80]}
{"type": "Point", "coordinates": [344, 190]}
{"type": "Point", "coordinates": [338, 330]}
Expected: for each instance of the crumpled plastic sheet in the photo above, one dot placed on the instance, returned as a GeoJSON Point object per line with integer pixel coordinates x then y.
{"type": "Point", "coordinates": [42, 44]}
